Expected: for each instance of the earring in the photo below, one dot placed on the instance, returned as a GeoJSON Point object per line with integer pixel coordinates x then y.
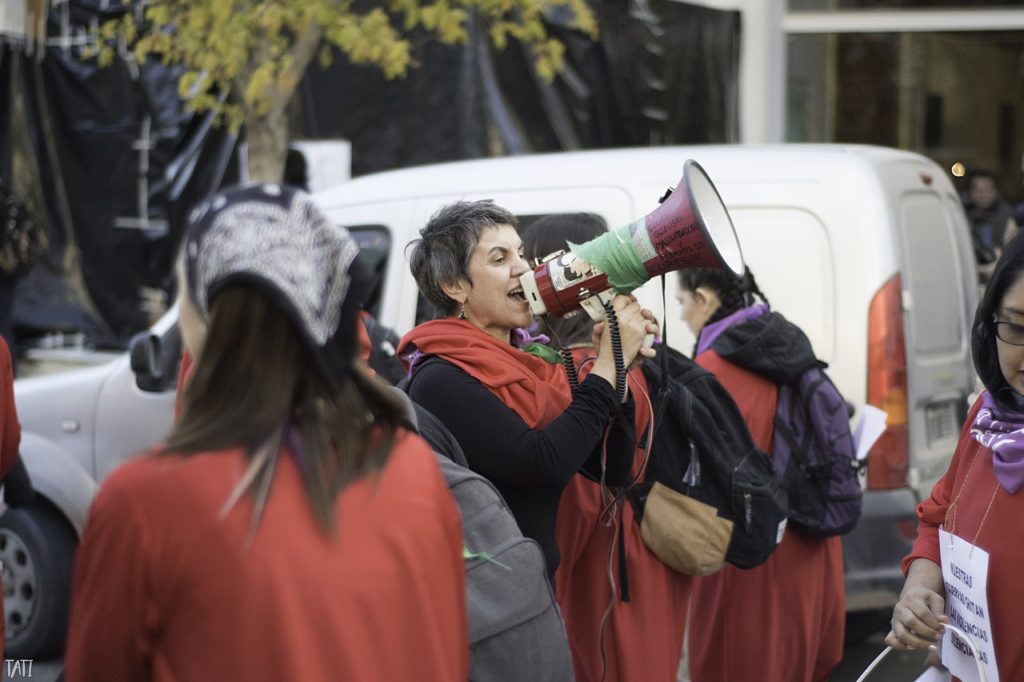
{"type": "Point", "coordinates": [462, 311]}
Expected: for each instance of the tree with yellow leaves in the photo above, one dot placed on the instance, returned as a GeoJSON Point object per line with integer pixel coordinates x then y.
{"type": "Point", "coordinates": [245, 58]}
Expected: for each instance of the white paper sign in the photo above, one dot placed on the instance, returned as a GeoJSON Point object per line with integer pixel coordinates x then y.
{"type": "Point", "coordinates": [869, 427]}
{"type": "Point", "coordinates": [965, 572]}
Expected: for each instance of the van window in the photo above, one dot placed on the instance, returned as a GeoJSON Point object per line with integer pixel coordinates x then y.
{"type": "Point", "coordinates": [374, 245]}
{"type": "Point", "coordinates": [932, 274]}
{"type": "Point", "coordinates": [526, 220]}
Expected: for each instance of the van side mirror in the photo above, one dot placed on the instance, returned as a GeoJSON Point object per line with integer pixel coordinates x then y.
{"type": "Point", "coordinates": [154, 360]}
{"type": "Point", "coordinates": [144, 355]}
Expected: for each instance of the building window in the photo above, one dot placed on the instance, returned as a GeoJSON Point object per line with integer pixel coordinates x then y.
{"type": "Point", "coordinates": [952, 96]}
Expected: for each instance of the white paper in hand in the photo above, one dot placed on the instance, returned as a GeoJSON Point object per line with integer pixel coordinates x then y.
{"type": "Point", "coordinates": [869, 428]}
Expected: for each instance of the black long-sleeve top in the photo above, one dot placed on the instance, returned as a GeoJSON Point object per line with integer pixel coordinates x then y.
{"type": "Point", "coordinates": [530, 467]}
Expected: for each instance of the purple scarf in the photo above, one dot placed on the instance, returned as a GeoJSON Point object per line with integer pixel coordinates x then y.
{"type": "Point", "coordinates": [1005, 438]}
{"type": "Point", "coordinates": [712, 331]}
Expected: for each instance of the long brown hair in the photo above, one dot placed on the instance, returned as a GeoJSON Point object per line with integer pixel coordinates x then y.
{"type": "Point", "coordinates": [255, 380]}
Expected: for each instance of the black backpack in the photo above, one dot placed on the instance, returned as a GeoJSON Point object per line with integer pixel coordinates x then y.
{"type": "Point", "coordinates": [814, 452]}
{"type": "Point", "coordinates": [516, 630]}
{"type": "Point", "coordinates": [703, 449]}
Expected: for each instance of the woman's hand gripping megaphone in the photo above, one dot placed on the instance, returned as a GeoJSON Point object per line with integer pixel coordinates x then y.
{"type": "Point", "coordinates": [635, 328]}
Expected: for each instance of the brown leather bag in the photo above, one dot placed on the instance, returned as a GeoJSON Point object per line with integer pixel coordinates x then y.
{"type": "Point", "coordinates": [686, 534]}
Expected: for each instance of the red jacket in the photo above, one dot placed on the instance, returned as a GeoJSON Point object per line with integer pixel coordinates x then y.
{"type": "Point", "coordinates": [786, 616]}
{"type": "Point", "coordinates": [168, 587]}
{"type": "Point", "coordinates": [993, 516]}
{"type": "Point", "coordinates": [643, 637]}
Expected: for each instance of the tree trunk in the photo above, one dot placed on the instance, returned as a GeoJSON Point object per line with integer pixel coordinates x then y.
{"type": "Point", "coordinates": [268, 145]}
{"type": "Point", "coordinates": [268, 134]}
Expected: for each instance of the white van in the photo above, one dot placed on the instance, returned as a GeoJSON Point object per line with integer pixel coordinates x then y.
{"type": "Point", "coordinates": [865, 248]}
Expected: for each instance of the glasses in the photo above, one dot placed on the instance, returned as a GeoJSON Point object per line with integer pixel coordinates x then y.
{"type": "Point", "coordinates": [1009, 332]}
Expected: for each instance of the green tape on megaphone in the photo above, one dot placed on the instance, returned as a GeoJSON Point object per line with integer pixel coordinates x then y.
{"type": "Point", "coordinates": [616, 256]}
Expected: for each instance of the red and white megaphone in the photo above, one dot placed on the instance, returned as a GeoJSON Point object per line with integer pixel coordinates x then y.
{"type": "Point", "coordinates": [691, 229]}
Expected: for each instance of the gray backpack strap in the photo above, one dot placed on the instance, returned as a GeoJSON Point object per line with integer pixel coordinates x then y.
{"type": "Point", "coordinates": [432, 430]}
{"type": "Point", "coordinates": [410, 410]}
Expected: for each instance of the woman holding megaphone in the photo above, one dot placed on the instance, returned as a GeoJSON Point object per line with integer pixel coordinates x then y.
{"type": "Point", "coordinates": [503, 396]}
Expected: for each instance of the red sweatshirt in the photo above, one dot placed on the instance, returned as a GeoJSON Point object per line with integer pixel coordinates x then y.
{"type": "Point", "coordinates": [1001, 535]}
{"type": "Point", "coordinates": [643, 637]}
{"type": "Point", "coordinates": [166, 587]}
{"type": "Point", "coordinates": [785, 619]}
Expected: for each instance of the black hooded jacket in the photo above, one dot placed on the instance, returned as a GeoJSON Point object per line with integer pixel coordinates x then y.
{"type": "Point", "coordinates": [768, 345]}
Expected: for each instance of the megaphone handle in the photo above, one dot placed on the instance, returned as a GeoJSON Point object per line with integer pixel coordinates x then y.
{"type": "Point", "coordinates": [595, 305]}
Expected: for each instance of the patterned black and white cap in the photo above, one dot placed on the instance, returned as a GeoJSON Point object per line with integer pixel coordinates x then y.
{"type": "Point", "coordinates": [273, 237]}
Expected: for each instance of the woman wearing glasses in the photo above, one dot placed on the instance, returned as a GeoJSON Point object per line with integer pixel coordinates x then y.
{"type": "Point", "coordinates": [970, 542]}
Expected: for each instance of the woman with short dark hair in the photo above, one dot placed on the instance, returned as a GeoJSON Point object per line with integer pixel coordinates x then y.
{"type": "Point", "coordinates": [504, 398]}
{"type": "Point", "coordinates": [289, 528]}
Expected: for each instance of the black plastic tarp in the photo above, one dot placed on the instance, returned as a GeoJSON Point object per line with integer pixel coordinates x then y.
{"type": "Point", "coordinates": [663, 72]}
{"type": "Point", "coordinates": [91, 132]}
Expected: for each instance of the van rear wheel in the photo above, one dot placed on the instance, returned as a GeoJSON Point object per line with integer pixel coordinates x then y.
{"type": "Point", "coordinates": [36, 547]}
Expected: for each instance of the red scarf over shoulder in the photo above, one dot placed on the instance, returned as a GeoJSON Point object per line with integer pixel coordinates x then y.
{"type": "Point", "coordinates": [536, 390]}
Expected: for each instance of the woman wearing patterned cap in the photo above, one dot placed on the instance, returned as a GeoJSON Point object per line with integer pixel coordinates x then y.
{"type": "Point", "coordinates": [289, 528]}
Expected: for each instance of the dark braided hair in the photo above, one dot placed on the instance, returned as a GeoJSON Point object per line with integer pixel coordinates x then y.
{"type": "Point", "coordinates": [22, 239]}
{"type": "Point", "coordinates": [734, 292]}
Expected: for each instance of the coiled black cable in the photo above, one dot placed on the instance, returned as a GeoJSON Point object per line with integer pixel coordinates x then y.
{"type": "Point", "coordinates": [570, 369]}
{"type": "Point", "coordinates": [620, 365]}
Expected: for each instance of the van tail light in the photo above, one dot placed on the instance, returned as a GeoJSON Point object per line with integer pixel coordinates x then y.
{"type": "Point", "coordinates": [887, 387]}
